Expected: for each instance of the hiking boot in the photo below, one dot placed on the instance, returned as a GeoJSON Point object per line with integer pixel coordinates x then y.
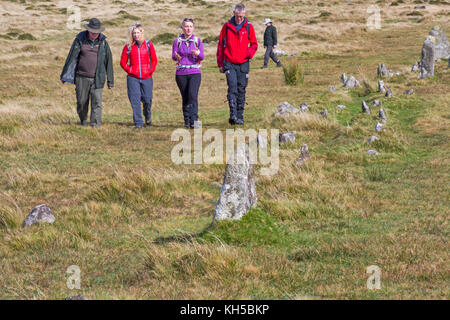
{"type": "Point", "coordinates": [233, 116]}
{"type": "Point", "coordinates": [84, 123]}
{"type": "Point", "coordinates": [279, 64]}
{"type": "Point", "coordinates": [148, 121]}
{"type": "Point", "coordinates": [264, 67]}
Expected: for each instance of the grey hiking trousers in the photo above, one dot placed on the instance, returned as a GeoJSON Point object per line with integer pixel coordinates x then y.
{"type": "Point", "coordinates": [85, 89]}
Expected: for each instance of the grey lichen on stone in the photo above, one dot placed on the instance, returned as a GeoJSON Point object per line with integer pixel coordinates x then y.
{"type": "Point", "coordinates": [304, 155]}
{"type": "Point", "coordinates": [376, 103]}
{"type": "Point", "coordinates": [365, 107]}
{"type": "Point", "coordinates": [287, 137]}
{"type": "Point", "coordinates": [238, 193]}
{"type": "Point", "coordinates": [383, 71]}
{"type": "Point", "coordinates": [351, 82]}
{"type": "Point", "coordinates": [382, 115]}
{"type": "Point", "coordinates": [379, 127]}
{"type": "Point", "coordinates": [304, 107]}
{"type": "Point", "coordinates": [427, 59]}
{"type": "Point", "coordinates": [441, 43]}
{"type": "Point", "coordinates": [372, 139]}
{"type": "Point", "coordinates": [285, 109]}
{"type": "Point", "coordinates": [39, 214]}
{"type": "Point", "coordinates": [324, 113]}
{"type": "Point", "coordinates": [381, 87]}
{"type": "Point", "coordinates": [388, 93]}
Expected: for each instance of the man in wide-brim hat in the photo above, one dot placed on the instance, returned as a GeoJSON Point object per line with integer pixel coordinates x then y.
{"type": "Point", "coordinates": [88, 65]}
{"type": "Point", "coordinates": [270, 42]}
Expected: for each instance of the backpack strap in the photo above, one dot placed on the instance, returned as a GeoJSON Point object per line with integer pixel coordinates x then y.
{"type": "Point", "coordinates": [148, 48]}
{"type": "Point", "coordinates": [226, 33]}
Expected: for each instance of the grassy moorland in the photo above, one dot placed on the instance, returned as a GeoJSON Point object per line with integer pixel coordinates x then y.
{"type": "Point", "coordinates": [136, 224]}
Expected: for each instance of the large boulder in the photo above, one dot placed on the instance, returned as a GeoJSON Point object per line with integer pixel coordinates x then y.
{"type": "Point", "coordinates": [383, 71]}
{"type": "Point", "coordinates": [351, 82]}
{"type": "Point", "coordinates": [238, 193]}
{"type": "Point", "coordinates": [39, 214]}
{"type": "Point", "coordinates": [441, 43]}
{"type": "Point", "coordinates": [427, 59]}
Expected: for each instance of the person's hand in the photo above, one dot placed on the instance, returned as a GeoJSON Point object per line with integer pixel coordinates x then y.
{"type": "Point", "coordinates": [196, 52]}
{"type": "Point", "coordinates": [177, 56]}
{"type": "Point", "coordinates": [221, 69]}
{"type": "Point", "coordinates": [110, 87]}
{"type": "Point", "coordinates": [274, 47]}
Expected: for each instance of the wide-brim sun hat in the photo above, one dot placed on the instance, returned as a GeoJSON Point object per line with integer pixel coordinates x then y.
{"type": "Point", "coordinates": [94, 26]}
{"type": "Point", "coordinates": [267, 20]}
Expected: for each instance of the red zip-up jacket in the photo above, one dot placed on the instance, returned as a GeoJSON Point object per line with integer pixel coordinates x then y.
{"type": "Point", "coordinates": [239, 47]}
{"type": "Point", "coordinates": [139, 65]}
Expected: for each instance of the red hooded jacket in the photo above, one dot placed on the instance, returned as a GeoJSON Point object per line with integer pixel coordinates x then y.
{"type": "Point", "coordinates": [139, 57]}
{"type": "Point", "coordinates": [239, 48]}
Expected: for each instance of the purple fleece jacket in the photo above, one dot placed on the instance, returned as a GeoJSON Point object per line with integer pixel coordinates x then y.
{"type": "Point", "coordinates": [186, 57]}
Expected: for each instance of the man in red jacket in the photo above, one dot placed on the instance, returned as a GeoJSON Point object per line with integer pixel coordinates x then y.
{"type": "Point", "coordinates": [237, 45]}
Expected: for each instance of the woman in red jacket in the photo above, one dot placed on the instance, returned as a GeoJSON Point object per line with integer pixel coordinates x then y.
{"type": "Point", "coordinates": [139, 61]}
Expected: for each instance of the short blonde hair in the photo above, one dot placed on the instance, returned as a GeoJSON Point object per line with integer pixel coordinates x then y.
{"type": "Point", "coordinates": [130, 40]}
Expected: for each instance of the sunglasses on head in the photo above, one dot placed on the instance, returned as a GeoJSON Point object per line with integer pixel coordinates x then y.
{"type": "Point", "coordinates": [188, 19]}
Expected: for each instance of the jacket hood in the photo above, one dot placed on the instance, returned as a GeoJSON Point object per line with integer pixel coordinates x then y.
{"type": "Point", "coordinates": [232, 21]}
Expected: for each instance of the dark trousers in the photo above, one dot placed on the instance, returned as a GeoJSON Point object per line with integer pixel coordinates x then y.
{"type": "Point", "coordinates": [189, 85]}
{"type": "Point", "coordinates": [140, 90]}
{"type": "Point", "coordinates": [237, 80]}
{"type": "Point", "coordinates": [269, 53]}
{"type": "Point", "coordinates": [85, 89]}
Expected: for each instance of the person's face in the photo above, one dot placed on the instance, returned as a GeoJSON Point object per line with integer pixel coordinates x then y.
{"type": "Point", "coordinates": [93, 36]}
{"type": "Point", "coordinates": [187, 27]}
{"type": "Point", "coordinates": [239, 17]}
{"type": "Point", "coordinates": [137, 34]}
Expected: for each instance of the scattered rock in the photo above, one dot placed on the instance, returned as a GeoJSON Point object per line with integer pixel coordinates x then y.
{"type": "Point", "coordinates": [343, 78]}
{"type": "Point", "coordinates": [379, 127]}
{"type": "Point", "coordinates": [76, 298]}
{"type": "Point", "coordinates": [332, 89]}
{"type": "Point", "coordinates": [410, 91]}
{"type": "Point", "coordinates": [287, 137]}
{"type": "Point", "coordinates": [304, 107]}
{"type": "Point", "coordinates": [238, 193]}
{"type": "Point", "coordinates": [261, 141]}
{"type": "Point", "coordinates": [427, 59]}
{"type": "Point", "coordinates": [341, 106]}
{"type": "Point", "coordinates": [41, 213]}
{"type": "Point", "coordinates": [351, 82]}
{"type": "Point", "coordinates": [376, 103]}
{"type": "Point", "coordinates": [304, 155]}
{"type": "Point", "coordinates": [381, 87]}
{"type": "Point", "coordinates": [373, 152]}
{"type": "Point", "coordinates": [388, 92]}
{"type": "Point", "coordinates": [324, 113]}
{"type": "Point", "coordinates": [382, 115]}
{"type": "Point", "coordinates": [284, 109]}
{"type": "Point", "coordinates": [365, 108]}
{"type": "Point", "coordinates": [279, 52]}
{"type": "Point", "coordinates": [383, 71]}
{"type": "Point", "coordinates": [372, 139]}
{"type": "Point", "coordinates": [419, 7]}
{"type": "Point", "coordinates": [441, 43]}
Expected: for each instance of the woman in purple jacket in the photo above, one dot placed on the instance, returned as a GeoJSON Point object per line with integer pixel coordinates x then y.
{"type": "Point", "coordinates": [187, 50]}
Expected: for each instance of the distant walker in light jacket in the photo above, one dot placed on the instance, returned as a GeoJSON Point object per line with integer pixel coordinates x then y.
{"type": "Point", "coordinates": [88, 64]}
{"type": "Point", "coordinates": [187, 50]}
{"type": "Point", "coordinates": [139, 61]}
{"type": "Point", "coordinates": [270, 43]}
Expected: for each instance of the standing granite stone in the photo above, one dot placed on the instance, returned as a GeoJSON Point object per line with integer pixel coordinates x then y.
{"type": "Point", "coordinates": [383, 71]}
{"type": "Point", "coordinates": [343, 78]}
{"type": "Point", "coordinates": [238, 193]}
{"type": "Point", "coordinates": [324, 113]}
{"type": "Point", "coordinates": [287, 137]}
{"type": "Point", "coordinates": [341, 107]}
{"type": "Point", "coordinates": [41, 213]}
{"type": "Point", "coordinates": [427, 59]}
{"type": "Point", "coordinates": [382, 115]}
{"type": "Point", "coordinates": [441, 44]}
{"type": "Point", "coordinates": [373, 152]}
{"type": "Point", "coordinates": [376, 103]}
{"type": "Point", "coordinates": [409, 91]}
{"type": "Point", "coordinates": [365, 108]}
{"type": "Point", "coordinates": [284, 109]}
{"type": "Point", "coordinates": [76, 298]}
{"type": "Point", "coordinates": [372, 139]}
{"type": "Point", "coordinates": [304, 155]}
{"type": "Point", "coordinates": [304, 107]}
{"type": "Point", "coordinates": [332, 89]}
{"type": "Point", "coordinates": [381, 87]}
{"type": "Point", "coordinates": [351, 82]}
{"type": "Point", "coordinates": [388, 93]}
{"type": "Point", "coordinates": [379, 127]}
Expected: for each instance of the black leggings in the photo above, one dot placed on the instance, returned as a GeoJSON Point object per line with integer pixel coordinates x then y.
{"type": "Point", "coordinates": [189, 86]}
